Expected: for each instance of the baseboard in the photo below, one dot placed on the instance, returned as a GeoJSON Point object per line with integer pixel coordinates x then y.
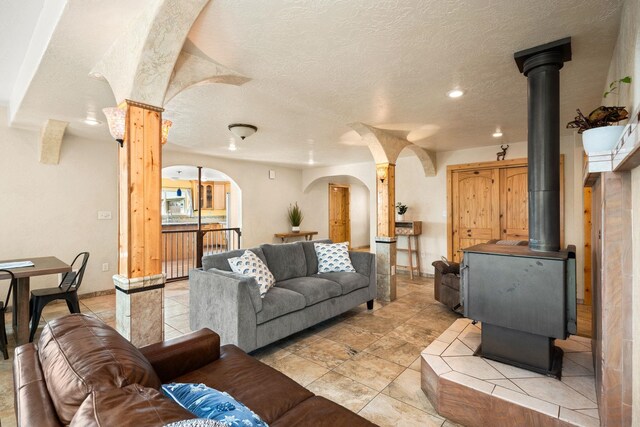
{"type": "Point", "coordinates": [80, 297]}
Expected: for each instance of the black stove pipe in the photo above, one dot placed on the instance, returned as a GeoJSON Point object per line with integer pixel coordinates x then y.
{"type": "Point", "coordinates": [541, 65]}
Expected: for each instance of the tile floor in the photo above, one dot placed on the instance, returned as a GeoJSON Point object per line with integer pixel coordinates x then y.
{"type": "Point", "coordinates": [572, 400]}
{"type": "Point", "coordinates": [367, 361]}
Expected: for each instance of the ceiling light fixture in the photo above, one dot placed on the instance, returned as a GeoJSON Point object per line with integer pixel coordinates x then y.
{"type": "Point", "coordinates": [92, 121]}
{"type": "Point", "coordinates": [116, 118]}
{"type": "Point", "coordinates": [497, 133]}
{"type": "Point", "coordinates": [455, 93]}
{"type": "Point", "coordinates": [242, 130]}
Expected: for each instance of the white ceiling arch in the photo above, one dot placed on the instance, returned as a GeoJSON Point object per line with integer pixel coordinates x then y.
{"type": "Point", "coordinates": [317, 66]}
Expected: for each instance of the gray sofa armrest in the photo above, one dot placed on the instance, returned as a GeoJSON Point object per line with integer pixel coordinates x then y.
{"type": "Point", "coordinates": [365, 264]}
{"type": "Point", "coordinates": [226, 303]}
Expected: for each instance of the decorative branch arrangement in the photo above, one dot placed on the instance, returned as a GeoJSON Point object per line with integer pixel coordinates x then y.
{"type": "Point", "coordinates": [602, 116]}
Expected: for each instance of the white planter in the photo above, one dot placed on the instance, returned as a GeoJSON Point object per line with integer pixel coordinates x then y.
{"type": "Point", "coordinates": [399, 217]}
{"type": "Point", "coordinates": [601, 139]}
{"type": "Point", "coordinates": [295, 229]}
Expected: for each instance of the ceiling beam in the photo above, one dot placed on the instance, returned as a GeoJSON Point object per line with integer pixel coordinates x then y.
{"type": "Point", "coordinates": [51, 141]}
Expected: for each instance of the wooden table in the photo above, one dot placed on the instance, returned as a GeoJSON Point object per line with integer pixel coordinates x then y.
{"type": "Point", "coordinates": [21, 293]}
{"type": "Point", "coordinates": [306, 234]}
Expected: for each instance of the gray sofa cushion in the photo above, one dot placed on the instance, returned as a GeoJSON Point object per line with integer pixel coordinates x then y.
{"type": "Point", "coordinates": [285, 260]}
{"type": "Point", "coordinates": [310, 255]}
{"type": "Point", "coordinates": [349, 281]}
{"type": "Point", "coordinates": [220, 261]}
{"type": "Point", "coordinates": [314, 289]}
{"type": "Point", "coordinates": [278, 302]}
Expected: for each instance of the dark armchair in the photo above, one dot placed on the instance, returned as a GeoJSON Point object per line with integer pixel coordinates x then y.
{"type": "Point", "coordinates": [447, 283]}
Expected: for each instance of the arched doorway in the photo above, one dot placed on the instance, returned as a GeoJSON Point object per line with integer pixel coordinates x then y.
{"type": "Point", "coordinates": [197, 219]}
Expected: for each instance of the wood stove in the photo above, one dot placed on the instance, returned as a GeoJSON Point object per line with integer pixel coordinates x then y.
{"type": "Point", "coordinates": [525, 296]}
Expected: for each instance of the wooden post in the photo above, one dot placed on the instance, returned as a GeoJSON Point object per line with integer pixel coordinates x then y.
{"type": "Point", "coordinates": [140, 280]}
{"type": "Point", "coordinates": [386, 231]}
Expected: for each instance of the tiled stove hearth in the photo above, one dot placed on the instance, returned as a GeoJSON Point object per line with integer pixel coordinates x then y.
{"type": "Point", "coordinates": [475, 391]}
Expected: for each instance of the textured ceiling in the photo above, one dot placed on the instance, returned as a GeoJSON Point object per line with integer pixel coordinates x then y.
{"type": "Point", "coordinates": [318, 65]}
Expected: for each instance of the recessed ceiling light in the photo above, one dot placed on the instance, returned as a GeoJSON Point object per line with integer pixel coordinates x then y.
{"type": "Point", "coordinates": [455, 93]}
{"type": "Point", "coordinates": [311, 162]}
{"type": "Point", "coordinates": [92, 121]}
{"type": "Point", "coordinates": [497, 133]}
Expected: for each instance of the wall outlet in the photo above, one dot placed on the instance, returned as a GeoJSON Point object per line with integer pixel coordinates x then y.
{"type": "Point", "coordinates": [104, 214]}
{"type": "Point", "coordinates": [272, 174]}
{"type": "Point", "coordinates": [105, 266]}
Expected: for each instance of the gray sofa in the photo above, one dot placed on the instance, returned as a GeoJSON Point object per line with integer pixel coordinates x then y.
{"type": "Point", "coordinates": [230, 303]}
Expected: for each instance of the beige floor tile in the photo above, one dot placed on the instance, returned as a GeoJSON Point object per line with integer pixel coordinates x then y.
{"type": "Point", "coordinates": [170, 332]}
{"type": "Point", "coordinates": [327, 353]}
{"type": "Point", "coordinates": [370, 370]}
{"type": "Point", "coordinates": [181, 323]}
{"type": "Point", "coordinates": [419, 336]}
{"type": "Point", "coordinates": [417, 364]}
{"type": "Point", "coordinates": [473, 366]}
{"type": "Point", "coordinates": [554, 391]}
{"type": "Point", "coordinates": [394, 350]}
{"type": "Point", "coordinates": [298, 341]}
{"type": "Point", "coordinates": [406, 388]}
{"type": "Point", "coordinates": [372, 323]}
{"type": "Point", "coordinates": [342, 390]}
{"type": "Point", "coordinates": [353, 337]}
{"type": "Point", "coordinates": [586, 386]}
{"type": "Point", "coordinates": [270, 353]}
{"type": "Point", "coordinates": [299, 369]}
{"type": "Point", "coordinates": [387, 412]}
{"type": "Point", "coordinates": [8, 418]}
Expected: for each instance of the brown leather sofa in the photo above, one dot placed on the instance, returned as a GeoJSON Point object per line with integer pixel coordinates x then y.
{"type": "Point", "coordinates": [446, 283]}
{"type": "Point", "coordinates": [83, 373]}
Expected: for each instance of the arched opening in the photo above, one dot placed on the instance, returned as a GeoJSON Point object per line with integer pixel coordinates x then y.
{"type": "Point", "coordinates": [197, 219]}
{"type": "Point", "coordinates": [359, 205]}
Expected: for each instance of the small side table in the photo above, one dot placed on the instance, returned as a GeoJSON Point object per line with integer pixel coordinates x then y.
{"type": "Point", "coordinates": [308, 235]}
{"type": "Point", "coordinates": [410, 229]}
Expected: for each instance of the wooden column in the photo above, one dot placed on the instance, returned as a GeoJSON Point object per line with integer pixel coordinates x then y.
{"type": "Point", "coordinates": [140, 281]}
{"type": "Point", "coordinates": [386, 231]}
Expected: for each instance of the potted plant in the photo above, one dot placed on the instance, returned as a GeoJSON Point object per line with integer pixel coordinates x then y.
{"type": "Point", "coordinates": [600, 130]}
{"type": "Point", "coordinates": [401, 209]}
{"type": "Point", "coordinates": [295, 217]}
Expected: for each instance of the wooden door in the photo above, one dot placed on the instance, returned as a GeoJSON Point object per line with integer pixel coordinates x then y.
{"type": "Point", "coordinates": [219, 196]}
{"type": "Point", "coordinates": [587, 245]}
{"type": "Point", "coordinates": [514, 204]}
{"type": "Point", "coordinates": [476, 206]}
{"type": "Point", "coordinates": [339, 221]}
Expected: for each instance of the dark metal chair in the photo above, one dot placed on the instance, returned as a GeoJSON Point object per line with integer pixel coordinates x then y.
{"type": "Point", "coordinates": [4, 342]}
{"type": "Point", "coordinates": [67, 290]}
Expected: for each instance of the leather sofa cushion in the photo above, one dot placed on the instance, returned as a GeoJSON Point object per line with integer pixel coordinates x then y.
{"type": "Point", "coordinates": [130, 406]}
{"type": "Point", "coordinates": [451, 281]}
{"type": "Point", "coordinates": [261, 388]}
{"type": "Point", "coordinates": [285, 260]}
{"type": "Point", "coordinates": [310, 254]}
{"type": "Point", "coordinates": [348, 281]}
{"type": "Point", "coordinates": [278, 302]}
{"type": "Point", "coordinates": [80, 354]}
{"type": "Point", "coordinates": [320, 412]}
{"type": "Point", "coordinates": [314, 289]}
{"type": "Point", "coordinates": [220, 261]}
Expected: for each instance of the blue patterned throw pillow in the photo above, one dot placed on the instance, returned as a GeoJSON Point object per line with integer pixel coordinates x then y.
{"type": "Point", "coordinates": [206, 402]}
{"type": "Point", "coordinates": [248, 264]}
{"type": "Point", "coordinates": [333, 257]}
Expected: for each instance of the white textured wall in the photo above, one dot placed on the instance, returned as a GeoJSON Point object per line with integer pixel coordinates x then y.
{"type": "Point", "coordinates": [317, 196]}
{"type": "Point", "coordinates": [52, 209]}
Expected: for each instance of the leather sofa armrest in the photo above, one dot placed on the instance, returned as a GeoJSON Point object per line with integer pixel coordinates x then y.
{"type": "Point", "coordinates": [443, 268]}
{"type": "Point", "coordinates": [33, 403]}
{"type": "Point", "coordinates": [178, 356]}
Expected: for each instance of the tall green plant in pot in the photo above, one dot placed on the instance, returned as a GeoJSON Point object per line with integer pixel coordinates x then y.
{"type": "Point", "coordinates": [295, 216]}
{"type": "Point", "coordinates": [600, 130]}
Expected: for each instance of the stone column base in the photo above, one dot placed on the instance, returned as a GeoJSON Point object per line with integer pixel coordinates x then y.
{"type": "Point", "coordinates": [386, 268]}
{"type": "Point", "coordinates": [140, 308]}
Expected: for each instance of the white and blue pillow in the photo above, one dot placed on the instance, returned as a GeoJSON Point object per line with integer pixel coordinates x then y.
{"type": "Point", "coordinates": [207, 402]}
{"type": "Point", "coordinates": [333, 257]}
{"type": "Point", "coordinates": [249, 264]}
